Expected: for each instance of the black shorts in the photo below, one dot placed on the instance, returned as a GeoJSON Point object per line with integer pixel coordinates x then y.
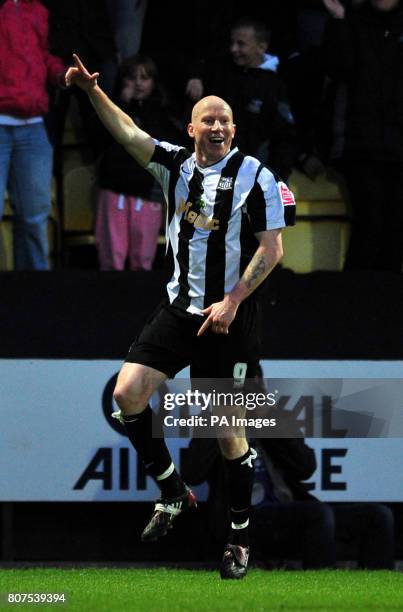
{"type": "Point", "coordinates": [169, 343]}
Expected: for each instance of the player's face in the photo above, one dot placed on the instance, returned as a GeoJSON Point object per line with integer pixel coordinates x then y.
{"type": "Point", "coordinates": [213, 131]}
{"type": "Point", "coordinates": [245, 49]}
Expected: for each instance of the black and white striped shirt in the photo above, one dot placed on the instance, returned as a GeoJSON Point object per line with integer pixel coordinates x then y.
{"type": "Point", "coordinates": [213, 214]}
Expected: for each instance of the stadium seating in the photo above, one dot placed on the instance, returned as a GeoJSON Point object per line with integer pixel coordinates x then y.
{"type": "Point", "coordinates": [77, 189]}
{"type": "Point", "coordinates": [319, 240]}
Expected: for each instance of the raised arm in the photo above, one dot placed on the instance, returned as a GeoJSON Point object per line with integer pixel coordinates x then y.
{"type": "Point", "coordinates": [269, 252]}
{"type": "Point", "coordinates": [122, 127]}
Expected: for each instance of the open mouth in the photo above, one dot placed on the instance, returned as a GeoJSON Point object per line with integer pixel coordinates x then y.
{"type": "Point", "coordinates": [217, 140]}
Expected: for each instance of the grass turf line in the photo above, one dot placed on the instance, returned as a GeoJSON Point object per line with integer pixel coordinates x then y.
{"type": "Point", "coordinates": [168, 590]}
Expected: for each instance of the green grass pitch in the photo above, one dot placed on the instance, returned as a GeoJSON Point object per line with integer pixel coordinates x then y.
{"type": "Point", "coordinates": [170, 590]}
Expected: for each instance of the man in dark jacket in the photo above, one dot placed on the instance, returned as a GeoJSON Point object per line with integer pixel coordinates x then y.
{"type": "Point", "coordinates": [286, 518]}
{"type": "Point", "coordinates": [247, 79]}
{"type": "Point", "coordinates": [289, 522]}
{"type": "Point", "coordinates": [364, 53]}
{"type": "Point", "coordinates": [83, 27]}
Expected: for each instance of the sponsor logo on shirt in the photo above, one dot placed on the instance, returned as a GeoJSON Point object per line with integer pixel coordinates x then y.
{"type": "Point", "coordinates": [198, 219]}
{"type": "Point", "coordinates": [287, 196]}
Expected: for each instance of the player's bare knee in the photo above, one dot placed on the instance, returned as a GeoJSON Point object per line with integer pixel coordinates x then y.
{"type": "Point", "coordinates": [130, 398]}
{"type": "Point", "coordinates": [133, 389]}
{"type": "Point", "coordinates": [232, 448]}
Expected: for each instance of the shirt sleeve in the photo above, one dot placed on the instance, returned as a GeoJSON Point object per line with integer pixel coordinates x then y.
{"type": "Point", "coordinates": [270, 204]}
{"type": "Point", "coordinates": [165, 159]}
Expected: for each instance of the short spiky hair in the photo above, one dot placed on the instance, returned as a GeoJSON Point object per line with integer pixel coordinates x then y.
{"type": "Point", "coordinates": [262, 33]}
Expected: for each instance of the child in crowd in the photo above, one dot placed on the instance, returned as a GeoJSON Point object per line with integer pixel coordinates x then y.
{"type": "Point", "coordinates": [129, 207]}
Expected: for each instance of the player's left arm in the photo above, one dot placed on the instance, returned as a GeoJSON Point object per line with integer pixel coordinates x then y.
{"type": "Point", "coordinates": [269, 252]}
{"type": "Point", "coordinates": [267, 255]}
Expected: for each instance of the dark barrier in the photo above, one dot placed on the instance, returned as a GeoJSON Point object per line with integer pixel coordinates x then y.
{"type": "Point", "coordinates": [87, 314]}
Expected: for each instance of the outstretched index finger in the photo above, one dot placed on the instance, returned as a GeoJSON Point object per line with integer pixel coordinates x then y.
{"type": "Point", "coordinates": [205, 326]}
{"type": "Point", "coordinates": [79, 63]}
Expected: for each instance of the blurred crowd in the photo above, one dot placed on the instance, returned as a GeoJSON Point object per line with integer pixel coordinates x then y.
{"type": "Point", "coordinates": [313, 84]}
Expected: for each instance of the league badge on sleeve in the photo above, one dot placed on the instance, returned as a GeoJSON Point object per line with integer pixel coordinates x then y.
{"type": "Point", "coordinates": [286, 195]}
{"type": "Point", "coordinates": [288, 201]}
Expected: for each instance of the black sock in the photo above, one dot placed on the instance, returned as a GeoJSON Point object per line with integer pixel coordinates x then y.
{"type": "Point", "coordinates": [240, 476]}
{"type": "Point", "coordinates": [154, 453]}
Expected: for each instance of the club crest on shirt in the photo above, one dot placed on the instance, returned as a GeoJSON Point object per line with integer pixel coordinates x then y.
{"type": "Point", "coordinates": [225, 183]}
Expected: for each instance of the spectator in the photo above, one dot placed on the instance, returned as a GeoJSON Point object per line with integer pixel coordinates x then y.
{"type": "Point", "coordinates": [363, 55]}
{"type": "Point", "coordinates": [202, 36]}
{"type": "Point", "coordinates": [303, 72]}
{"type": "Point", "coordinates": [27, 68]}
{"type": "Point", "coordinates": [127, 18]}
{"type": "Point", "coordinates": [129, 211]}
{"type": "Point", "coordinates": [248, 80]}
{"type": "Point", "coordinates": [288, 522]}
{"type": "Point", "coordinates": [83, 27]}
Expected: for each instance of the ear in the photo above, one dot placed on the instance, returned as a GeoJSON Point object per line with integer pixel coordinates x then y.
{"type": "Point", "coordinates": [190, 130]}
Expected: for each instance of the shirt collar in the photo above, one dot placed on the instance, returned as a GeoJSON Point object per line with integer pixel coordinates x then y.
{"type": "Point", "coordinates": [218, 165]}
